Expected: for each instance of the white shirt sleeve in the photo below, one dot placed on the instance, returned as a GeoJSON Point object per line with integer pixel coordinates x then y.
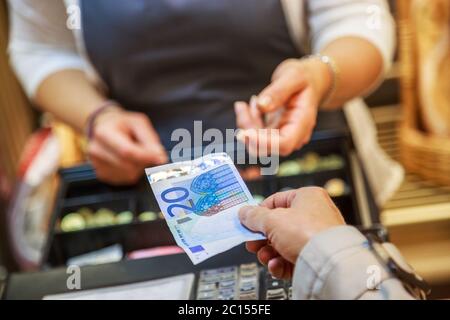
{"type": "Point", "coordinates": [337, 264]}
{"type": "Point", "coordinates": [40, 42]}
{"type": "Point", "coordinates": [329, 20]}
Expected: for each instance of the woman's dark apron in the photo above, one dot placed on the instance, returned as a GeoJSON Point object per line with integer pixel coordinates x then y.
{"type": "Point", "coordinates": [180, 61]}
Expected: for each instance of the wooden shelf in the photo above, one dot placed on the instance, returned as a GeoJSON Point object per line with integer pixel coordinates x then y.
{"type": "Point", "coordinates": [418, 215]}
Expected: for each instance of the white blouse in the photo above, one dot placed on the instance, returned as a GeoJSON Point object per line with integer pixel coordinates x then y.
{"type": "Point", "coordinates": [41, 42]}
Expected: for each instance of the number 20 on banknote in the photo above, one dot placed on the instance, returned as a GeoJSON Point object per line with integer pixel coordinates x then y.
{"type": "Point", "coordinates": [206, 194]}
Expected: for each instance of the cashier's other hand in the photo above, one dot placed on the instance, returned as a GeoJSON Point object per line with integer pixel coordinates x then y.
{"type": "Point", "coordinates": [123, 144]}
{"type": "Point", "coordinates": [289, 220]}
{"type": "Point", "coordinates": [289, 103]}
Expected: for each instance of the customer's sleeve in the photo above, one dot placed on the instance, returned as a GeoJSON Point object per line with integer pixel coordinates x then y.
{"type": "Point", "coordinates": [40, 43]}
{"type": "Point", "coordinates": [329, 20]}
{"type": "Point", "coordinates": [337, 264]}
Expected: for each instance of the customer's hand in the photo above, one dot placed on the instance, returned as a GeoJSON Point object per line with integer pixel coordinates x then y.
{"type": "Point", "coordinates": [289, 220]}
{"type": "Point", "coordinates": [290, 103]}
{"type": "Point", "coordinates": [123, 144]}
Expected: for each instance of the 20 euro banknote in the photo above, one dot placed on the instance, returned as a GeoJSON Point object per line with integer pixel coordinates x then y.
{"type": "Point", "coordinates": [200, 200]}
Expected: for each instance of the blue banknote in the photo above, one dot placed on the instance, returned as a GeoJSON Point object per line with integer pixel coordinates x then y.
{"type": "Point", "coordinates": [200, 200]}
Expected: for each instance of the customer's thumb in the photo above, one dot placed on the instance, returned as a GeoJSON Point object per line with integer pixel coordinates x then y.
{"type": "Point", "coordinates": [255, 218]}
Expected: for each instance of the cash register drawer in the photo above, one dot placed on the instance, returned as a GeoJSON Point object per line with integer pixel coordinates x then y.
{"type": "Point", "coordinates": [82, 194]}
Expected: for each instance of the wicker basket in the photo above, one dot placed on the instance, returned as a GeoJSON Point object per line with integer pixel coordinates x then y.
{"type": "Point", "coordinates": [421, 153]}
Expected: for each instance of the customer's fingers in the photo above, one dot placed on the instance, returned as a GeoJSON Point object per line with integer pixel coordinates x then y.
{"type": "Point", "coordinates": [267, 253]}
{"type": "Point", "coordinates": [256, 218]}
{"type": "Point", "coordinates": [254, 246]}
{"type": "Point", "coordinates": [280, 200]}
{"type": "Point", "coordinates": [280, 268]}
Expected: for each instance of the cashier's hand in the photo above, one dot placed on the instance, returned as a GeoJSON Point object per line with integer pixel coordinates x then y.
{"type": "Point", "coordinates": [289, 220]}
{"type": "Point", "coordinates": [290, 104]}
{"type": "Point", "coordinates": [123, 144]}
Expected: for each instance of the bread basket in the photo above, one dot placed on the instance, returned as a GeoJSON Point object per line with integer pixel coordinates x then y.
{"type": "Point", "coordinates": [422, 153]}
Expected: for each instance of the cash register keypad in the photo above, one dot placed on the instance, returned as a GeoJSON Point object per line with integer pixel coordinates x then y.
{"type": "Point", "coordinates": [276, 289]}
{"type": "Point", "coordinates": [241, 283]}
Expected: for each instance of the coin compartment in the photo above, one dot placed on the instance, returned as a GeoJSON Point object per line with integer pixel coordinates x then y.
{"type": "Point", "coordinates": [79, 188]}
